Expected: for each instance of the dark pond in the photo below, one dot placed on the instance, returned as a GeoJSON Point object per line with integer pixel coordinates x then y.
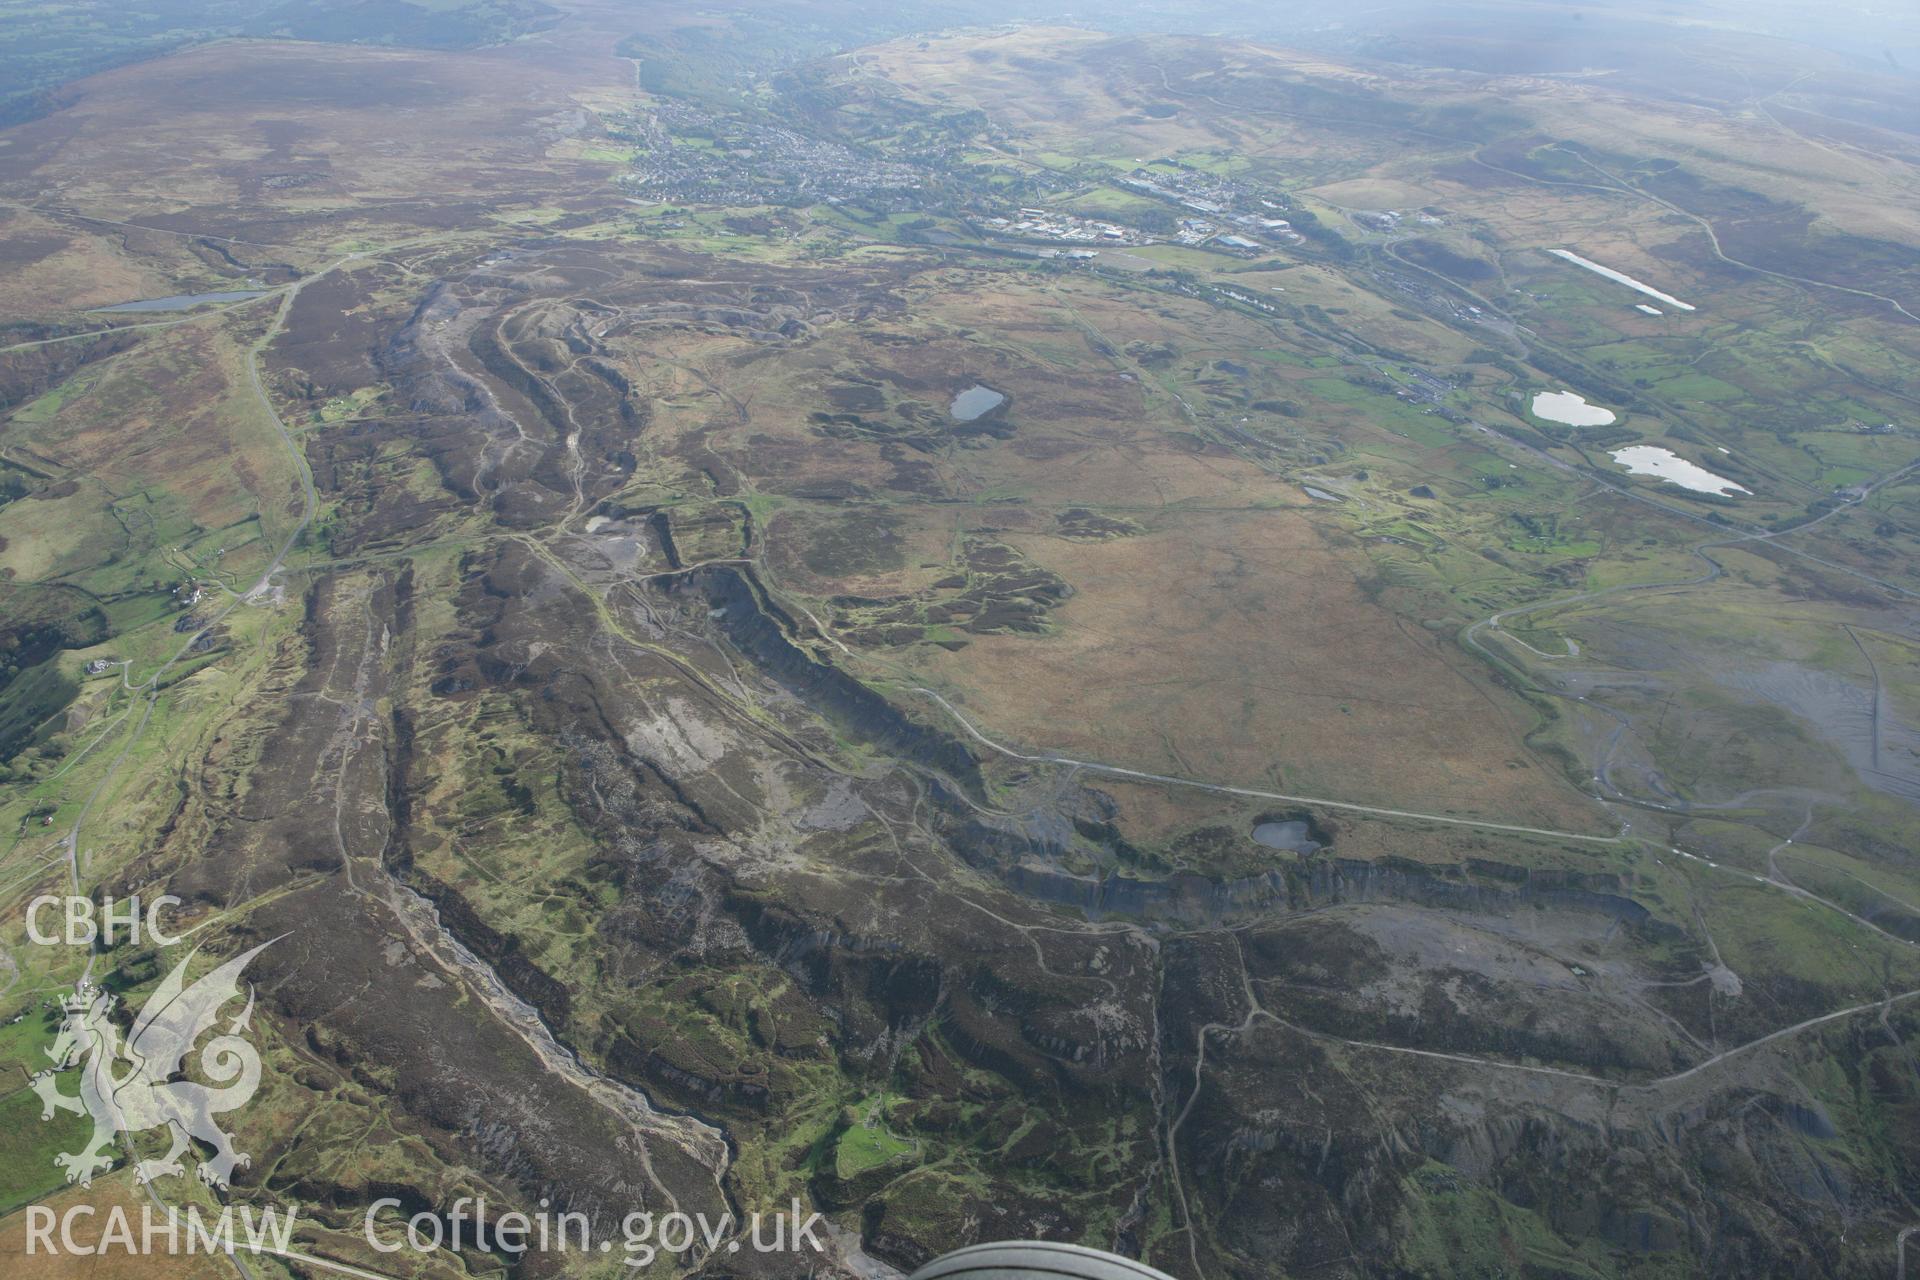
{"type": "Point", "coordinates": [1294, 837]}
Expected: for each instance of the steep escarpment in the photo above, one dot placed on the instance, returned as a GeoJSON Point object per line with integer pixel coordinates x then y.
{"type": "Point", "coordinates": [756, 626]}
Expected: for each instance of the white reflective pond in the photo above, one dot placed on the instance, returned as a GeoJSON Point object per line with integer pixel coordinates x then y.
{"type": "Point", "coordinates": [1571, 409]}
{"type": "Point", "coordinates": [1652, 460]}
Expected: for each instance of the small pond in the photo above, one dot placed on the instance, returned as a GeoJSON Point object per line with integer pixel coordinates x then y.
{"type": "Point", "coordinates": [1292, 836]}
{"type": "Point", "coordinates": [1569, 409]}
{"type": "Point", "coordinates": [976, 401]}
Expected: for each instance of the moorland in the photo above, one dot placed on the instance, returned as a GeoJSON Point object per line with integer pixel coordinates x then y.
{"type": "Point", "coordinates": [690, 761]}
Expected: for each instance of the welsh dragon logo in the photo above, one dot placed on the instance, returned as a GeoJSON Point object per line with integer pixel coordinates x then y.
{"type": "Point", "coordinates": [127, 1087]}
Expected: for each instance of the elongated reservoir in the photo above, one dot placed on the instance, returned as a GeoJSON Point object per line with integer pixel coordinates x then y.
{"type": "Point", "coordinates": [1621, 278]}
{"type": "Point", "coordinates": [183, 301]}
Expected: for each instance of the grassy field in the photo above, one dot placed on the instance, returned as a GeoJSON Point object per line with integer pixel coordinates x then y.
{"type": "Point", "coordinates": [27, 1170]}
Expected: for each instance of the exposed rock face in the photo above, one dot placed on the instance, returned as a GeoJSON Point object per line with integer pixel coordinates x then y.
{"type": "Point", "coordinates": [758, 629]}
